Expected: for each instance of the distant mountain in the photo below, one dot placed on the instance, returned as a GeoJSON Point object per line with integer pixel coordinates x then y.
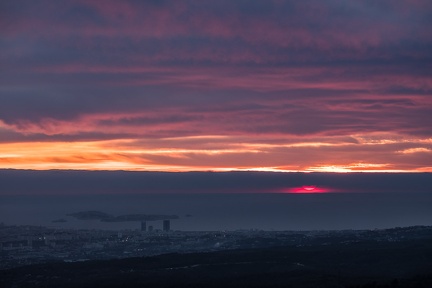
{"type": "Point", "coordinates": [90, 215]}
{"type": "Point", "coordinates": [97, 215]}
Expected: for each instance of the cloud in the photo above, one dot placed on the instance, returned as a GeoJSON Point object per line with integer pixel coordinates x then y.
{"type": "Point", "coordinates": [254, 72]}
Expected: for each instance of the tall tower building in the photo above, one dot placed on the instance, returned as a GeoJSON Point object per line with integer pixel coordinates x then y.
{"type": "Point", "coordinates": [166, 225]}
{"type": "Point", "coordinates": [143, 226]}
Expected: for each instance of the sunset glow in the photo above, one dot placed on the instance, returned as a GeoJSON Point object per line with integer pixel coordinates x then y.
{"type": "Point", "coordinates": [275, 86]}
{"type": "Point", "coordinates": [184, 154]}
{"type": "Point", "coordinates": [308, 189]}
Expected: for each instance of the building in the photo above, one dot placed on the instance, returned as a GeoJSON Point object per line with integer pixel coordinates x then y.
{"type": "Point", "coordinates": [143, 226]}
{"type": "Point", "coordinates": [166, 225]}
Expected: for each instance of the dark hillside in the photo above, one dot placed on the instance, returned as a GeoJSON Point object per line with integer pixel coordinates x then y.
{"type": "Point", "coordinates": [366, 264]}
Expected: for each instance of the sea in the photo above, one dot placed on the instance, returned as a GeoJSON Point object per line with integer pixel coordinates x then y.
{"type": "Point", "coordinates": [226, 211]}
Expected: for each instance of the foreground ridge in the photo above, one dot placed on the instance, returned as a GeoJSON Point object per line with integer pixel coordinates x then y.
{"type": "Point", "coordinates": [401, 257]}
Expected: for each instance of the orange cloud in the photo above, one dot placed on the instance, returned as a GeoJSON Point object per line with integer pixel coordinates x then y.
{"type": "Point", "coordinates": [219, 153]}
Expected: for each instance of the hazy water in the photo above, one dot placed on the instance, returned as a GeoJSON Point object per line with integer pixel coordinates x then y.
{"type": "Point", "coordinates": [229, 211]}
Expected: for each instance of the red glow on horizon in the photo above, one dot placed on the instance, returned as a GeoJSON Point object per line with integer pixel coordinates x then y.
{"type": "Point", "coordinates": [307, 189]}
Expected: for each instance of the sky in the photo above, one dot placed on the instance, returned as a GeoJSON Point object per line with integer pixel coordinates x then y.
{"type": "Point", "coordinates": [218, 85]}
{"type": "Point", "coordinates": [79, 182]}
